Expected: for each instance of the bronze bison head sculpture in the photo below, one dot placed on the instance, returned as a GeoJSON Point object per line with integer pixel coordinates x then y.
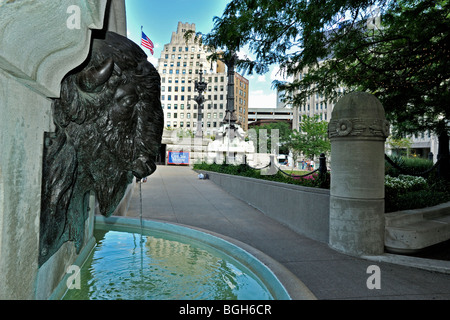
{"type": "Point", "coordinates": [108, 128]}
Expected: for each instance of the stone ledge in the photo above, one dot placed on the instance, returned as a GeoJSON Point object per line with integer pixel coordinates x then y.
{"type": "Point", "coordinates": [412, 230]}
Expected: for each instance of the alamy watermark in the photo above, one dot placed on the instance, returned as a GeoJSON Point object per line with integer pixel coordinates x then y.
{"type": "Point", "coordinates": [74, 19]}
{"type": "Point", "coordinates": [374, 22]}
{"type": "Point", "coordinates": [74, 279]}
{"type": "Point", "coordinates": [374, 280]}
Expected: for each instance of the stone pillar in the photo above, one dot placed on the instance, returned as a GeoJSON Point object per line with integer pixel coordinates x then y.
{"type": "Point", "coordinates": [357, 130]}
{"type": "Point", "coordinates": [40, 42]}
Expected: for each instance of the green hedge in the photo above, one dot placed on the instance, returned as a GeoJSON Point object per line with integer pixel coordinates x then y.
{"type": "Point", "coordinates": [407, 192]}
{"type": "Point", "coordinates": [402, 192]}
{"type": "Point", "coordinates": [410, 165]}
{"type": "Point", "coordinates": [245, 171]}
{"type": "Point", "coordinates": [422, 192]}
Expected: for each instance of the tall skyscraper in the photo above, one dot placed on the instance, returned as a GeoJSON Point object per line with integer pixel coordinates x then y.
{"type": "Point", "coordinates": [179, 66]}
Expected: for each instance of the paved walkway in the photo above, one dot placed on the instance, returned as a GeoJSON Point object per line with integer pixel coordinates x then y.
{"type": "Point", "coordinates": [175, 194]}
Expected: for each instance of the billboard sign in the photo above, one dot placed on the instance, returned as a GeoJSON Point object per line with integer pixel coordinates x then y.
{"type": "Point", "coordinates": [178, 157]}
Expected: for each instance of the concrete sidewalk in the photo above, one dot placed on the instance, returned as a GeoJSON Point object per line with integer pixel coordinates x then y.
{"type": "Point", "coordinates": [175, 194]}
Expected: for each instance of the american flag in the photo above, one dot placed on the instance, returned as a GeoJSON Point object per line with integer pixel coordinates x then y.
{"type": "Point", "coordinates": [146, 42]}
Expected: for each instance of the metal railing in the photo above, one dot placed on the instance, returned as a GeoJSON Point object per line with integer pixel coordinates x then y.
{"type": "Point", "coordinates": [322, 170]}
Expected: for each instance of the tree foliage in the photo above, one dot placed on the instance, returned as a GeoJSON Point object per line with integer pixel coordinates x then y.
{"type": "Point", "coordinates": [404, 61]}
{"type": "Point", "coordinates": [283, 132]}
{"type": "Point", "coordinates": [312, 139]}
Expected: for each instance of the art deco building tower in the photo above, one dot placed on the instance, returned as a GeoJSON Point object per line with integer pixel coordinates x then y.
{"type": "Point", "coordinates": [179, 66]}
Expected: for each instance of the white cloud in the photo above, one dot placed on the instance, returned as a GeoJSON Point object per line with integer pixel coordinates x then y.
{"type": "Point", "coordinates": [242, 54]}
{"type": "Point", "coordinates": [153, 60]}
{"type": "Point", "coordinates": [262, 99]}
{"type": "Point", "coordinates": [262, 78]}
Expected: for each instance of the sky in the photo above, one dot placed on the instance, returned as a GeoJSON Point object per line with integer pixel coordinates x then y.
{"type": "Point", "coordinates": [159, 18]}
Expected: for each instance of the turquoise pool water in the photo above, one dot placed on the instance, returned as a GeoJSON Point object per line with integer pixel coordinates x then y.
{"type": "Point", "coordinates": [160, 265]}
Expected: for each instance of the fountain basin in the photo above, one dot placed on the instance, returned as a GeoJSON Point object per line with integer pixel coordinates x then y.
{"type": "Point", "coordinates": [238, 272]}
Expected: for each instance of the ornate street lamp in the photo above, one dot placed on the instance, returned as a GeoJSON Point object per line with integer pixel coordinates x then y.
{"type": "Point", "coordinates": [230, 115]}
{"type": "Point", "coordinates": [200, 87]}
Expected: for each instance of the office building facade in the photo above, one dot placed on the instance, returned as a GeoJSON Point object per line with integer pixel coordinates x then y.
{"type": "Point", "coordinates": [179, 66]}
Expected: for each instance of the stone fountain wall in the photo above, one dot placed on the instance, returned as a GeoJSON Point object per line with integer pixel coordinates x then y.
{"type": "Point", "coordinates": [40, 42]}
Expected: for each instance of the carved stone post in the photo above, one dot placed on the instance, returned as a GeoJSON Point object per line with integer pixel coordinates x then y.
{"type": "Point", "coordinates": [357, 130]}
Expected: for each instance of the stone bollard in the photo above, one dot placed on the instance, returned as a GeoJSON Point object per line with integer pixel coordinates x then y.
{"type": "Point", "coordinates": [357, 130]}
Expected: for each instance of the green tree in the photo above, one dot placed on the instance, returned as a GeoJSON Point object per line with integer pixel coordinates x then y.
{"type": "Point", "coordinates": [403, 59]}
{"type": "Point", "coordinates": [398, 144]}
{"type": "Point", "coordinates": [312, 139]}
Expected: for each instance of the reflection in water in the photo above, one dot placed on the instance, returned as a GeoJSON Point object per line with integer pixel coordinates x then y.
{"type": "Point", "coordinates": [160, 267]}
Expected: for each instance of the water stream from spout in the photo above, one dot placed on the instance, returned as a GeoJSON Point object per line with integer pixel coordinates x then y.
{"type": "Point", "coordinates": [140, 210]}
{"type": "Point", "coordinates": [142, 240]}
